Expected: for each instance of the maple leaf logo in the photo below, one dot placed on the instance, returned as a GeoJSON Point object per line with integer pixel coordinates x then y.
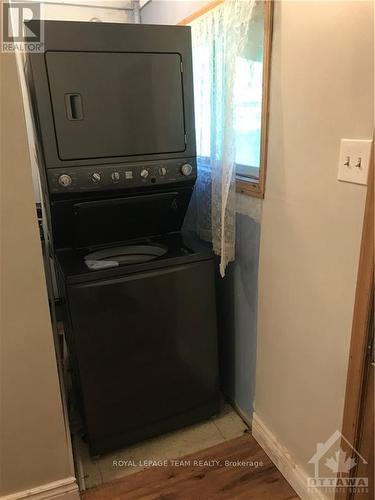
{"type": "Point", "coordinates": [339, 463]}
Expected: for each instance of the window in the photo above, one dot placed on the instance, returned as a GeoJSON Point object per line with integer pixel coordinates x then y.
{"type": "Point", "coordinates": [248, 114]}
{"type": "Point", "coordinates": [250, 98]}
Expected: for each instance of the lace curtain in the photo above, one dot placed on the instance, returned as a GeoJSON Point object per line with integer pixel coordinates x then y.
{"type": "Point", "coordinates": [218, 39]}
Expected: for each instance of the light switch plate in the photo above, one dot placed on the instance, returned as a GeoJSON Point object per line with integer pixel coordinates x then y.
{"type": "Point", "coordinates": [354, 160]}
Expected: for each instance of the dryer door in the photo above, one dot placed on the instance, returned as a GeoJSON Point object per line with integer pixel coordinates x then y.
{"type": "Point", "coordinates": [108, 104]}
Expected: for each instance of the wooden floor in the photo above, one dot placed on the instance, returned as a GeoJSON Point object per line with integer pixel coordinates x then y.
{"type": "Point", "coordinates": [205, 481]}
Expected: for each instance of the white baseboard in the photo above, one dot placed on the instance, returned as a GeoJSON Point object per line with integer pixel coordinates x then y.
{"type": "Point", "coordinates": [64, 489]}
{"type": "Point", "coordinates": [280, 456]}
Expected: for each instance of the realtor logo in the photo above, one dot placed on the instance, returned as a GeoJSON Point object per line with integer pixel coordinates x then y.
{"type": "Point", "coordinates": [15, 35]}
{"type": "Point", "coordinates": [332, 466]}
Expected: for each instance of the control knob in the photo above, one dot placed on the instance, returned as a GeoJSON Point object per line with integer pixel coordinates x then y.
{"type": "Point", "coordinates": [186, 169]}
{"type": "Point", "coordinates": [144, 173]}
{"type": "Point", "coordinates": [96, 177]}
{"type": "Point", "coordinates": [115, 176]}
{"type": "Point", "coordinates": [65, 180]}
{"type": "Point", "coordinates": [162, 171]}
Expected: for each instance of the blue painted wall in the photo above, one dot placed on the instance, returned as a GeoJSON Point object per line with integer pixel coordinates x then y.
{"type": "Point", "coordinates": [237, 315]}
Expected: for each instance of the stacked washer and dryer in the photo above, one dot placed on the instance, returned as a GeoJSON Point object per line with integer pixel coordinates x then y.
{"type": "Point", "coordinates": [114, 111]}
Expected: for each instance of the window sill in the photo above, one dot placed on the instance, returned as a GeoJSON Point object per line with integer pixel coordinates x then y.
{"type": "Point", "coordinates": [249, 187]}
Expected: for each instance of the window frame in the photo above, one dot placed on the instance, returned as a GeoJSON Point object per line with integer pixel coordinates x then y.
{"type": "Point", "coordinates": [247, 185]}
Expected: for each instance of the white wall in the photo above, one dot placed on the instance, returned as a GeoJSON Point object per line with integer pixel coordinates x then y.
{"type": "Point", "coordinates": [321, 91]}
{"type": "Point", "coordinates": [34, 445]}
{"type": "Point", "coordinates": [89, 10]}
{"type": "Point", "coordinates": [169, 11]}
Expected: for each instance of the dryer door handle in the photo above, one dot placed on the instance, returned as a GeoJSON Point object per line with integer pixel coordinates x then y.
{"type": "Point", "coordinates": [74, 108]}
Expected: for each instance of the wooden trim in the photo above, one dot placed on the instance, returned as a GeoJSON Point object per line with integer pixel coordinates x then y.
{"type": "Point", "coordinates": [249, 187]}
{"type": "Point", "coordinates": [200, 12]}
{"type": "Point", "coordinates": [361, 327]}
{"type": "Point", "coordinates": [268, 32]}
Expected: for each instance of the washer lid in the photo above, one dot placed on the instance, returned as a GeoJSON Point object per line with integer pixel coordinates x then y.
{"type": "Point", "coordinates": [112, 220]}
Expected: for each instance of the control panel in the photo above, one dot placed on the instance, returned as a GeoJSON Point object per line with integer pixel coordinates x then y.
{"type": "Point", "coordinates": [120, 176]}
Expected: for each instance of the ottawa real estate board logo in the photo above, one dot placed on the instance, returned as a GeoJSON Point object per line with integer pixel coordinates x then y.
{"type": "Point", "coordinates": [15, 35]}
{"type": "Point", "coordinates": [334, 466]}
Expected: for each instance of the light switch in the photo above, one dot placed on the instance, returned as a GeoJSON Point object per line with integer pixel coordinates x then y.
{"type": "Point", "coordinates": [354, 160]}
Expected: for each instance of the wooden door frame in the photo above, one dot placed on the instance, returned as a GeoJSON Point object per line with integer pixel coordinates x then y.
{"type": "Point", "coordinates": [361, 327]}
